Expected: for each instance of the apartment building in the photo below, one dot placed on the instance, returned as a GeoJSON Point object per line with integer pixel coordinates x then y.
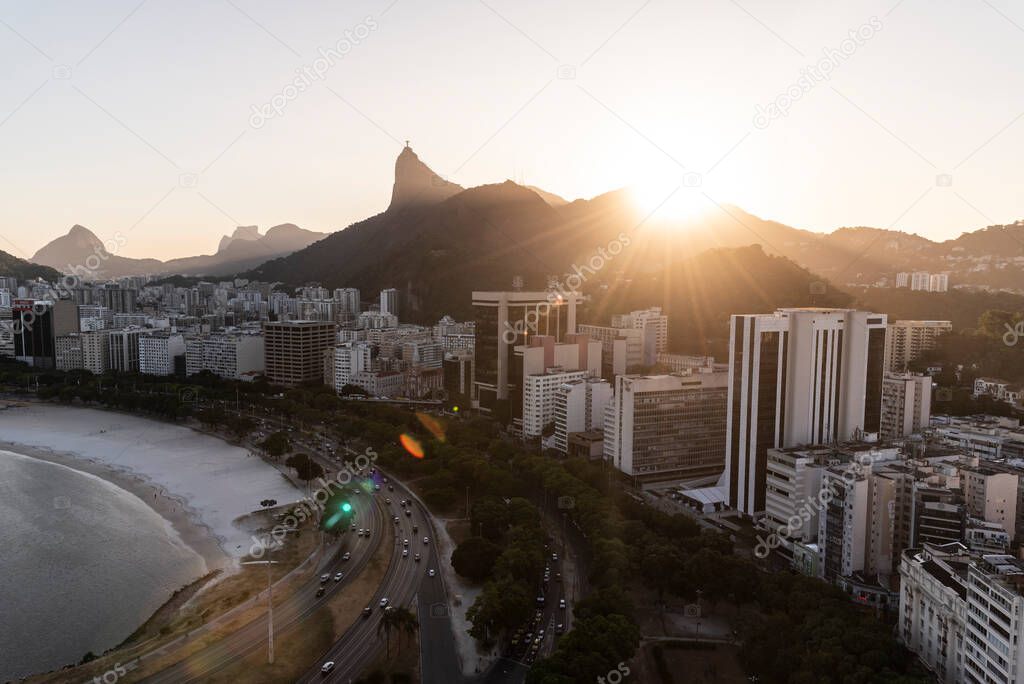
{"type": "Point", "coordinates": [906, 341]}
{"type": "Point", "coordinates": [579, 407]}
{"type": "Point", "coordinates": [906, 404]}
{"type": "Point", "coordinates": [294, 350]}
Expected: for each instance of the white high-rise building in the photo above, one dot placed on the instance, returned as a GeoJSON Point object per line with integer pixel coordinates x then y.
{"type": "Point", "coordinates": [906, 404]}
{"type": "Point", "coordinates": [579, 407]}
{"type": "Point", "coordinates": [158, 351]}
{"type": "Point", "coordinates": [539, 397]}
{"type": "Point", "coordinates": [228, 354]}
{"type": "Point", "coordinates": [920, 280]}
{"type": "Point", "coordinates": [797, 376]}
{"type": "Point", "coordinates": [389, 301]}
{"type": "Point", "coordinates": [349, 360]}
{"type": "Point", "coordinates": [69, 352]}
{"type": "Point", "coordinates": [348, 300]}
{"type": "Point", "coordinates": [938, 282]}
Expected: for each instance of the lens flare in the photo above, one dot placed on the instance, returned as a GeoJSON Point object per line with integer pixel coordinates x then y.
{"type": "Point", "coordinates": [412, 445]}
{"type": "Point", "coordinates": [433, 424]}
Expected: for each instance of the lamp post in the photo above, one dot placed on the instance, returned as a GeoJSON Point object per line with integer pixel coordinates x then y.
{"type": "Point", "coordinates": [270, 608]}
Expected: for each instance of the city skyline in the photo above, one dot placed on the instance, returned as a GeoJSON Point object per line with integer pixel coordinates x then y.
{"type": "Point", "coordinates": [166, 145]}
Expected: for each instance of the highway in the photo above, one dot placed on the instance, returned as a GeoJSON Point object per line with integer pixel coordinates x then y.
{"type": "Point", "coordinates": [288, 614]}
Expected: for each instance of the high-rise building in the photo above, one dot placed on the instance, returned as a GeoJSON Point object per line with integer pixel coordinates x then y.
{"type": "Point", "coordinates": [938, 282]}
{"type": "Point", "coordinates": [36, 324]}
{"type": "Point", "coordinates": [539, 397]}
{"type": "Point", "coordinates": [906, 404]}
{"type": "Point", "coordinates": [579, 407]}
{"type": "Point", "coordinates": [294, 350]}
{"type": "Point", "coordinates": [458, 377]}
{"type": "Point", "coordinates": [230, 354]}
{"type": "Point", "coordinates": [622, 349]}
{"type": "Point", "coordinates": [903, 279]}
{"type": "Point", "coordinates": [798, 376]}
{"type": "Point", "coordinates": [346, 361]}
{"type": "Point", "coordinates": [348, 300]}
{"type": "Point", "coordinates": [503, 321]}
{"type": "Point", "coordinates": [919, 280]}
{"type": "Point", "coordinates": [666, 427]}
{"type": "Point", "coordinates": [389, 301]}
{"type": "Point", "coordinates": [906, 341]}
{"type": "Point", "coordinates": [69, 352]}
{"type": "Point", "coordinates": [158, 351]}
{"type": "Point", "coordinates": [96, 351]}
{"type": "Point", "coordinates": [124, 350]}
{"type": "Point", "coordinates": [651, 320]}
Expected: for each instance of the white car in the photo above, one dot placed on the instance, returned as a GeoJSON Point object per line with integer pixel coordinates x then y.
{"type": "Point", "coordinates": [561, 603]}
{"type": "Point", "coordinates": [328, 666]}
{"type": "Point", "coordinates": [346, 556]}
{"type": "Point", "coordinates": [405, 553]}
{"type": "Point", "coordinates": [405, 542]}
{"type": "Point", "coordinates": [324, 578]}
{"type": "Point", "coordinates": [426, 540]}
{"type": "Point", "coordinates": [431, 572]}
{"type": "Point", "coordinates": [338, 576]}
{"type": "Point", "coordinates": [384, 601]}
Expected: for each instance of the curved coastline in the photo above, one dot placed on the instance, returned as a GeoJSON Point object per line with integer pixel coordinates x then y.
{"type": "Point", "coordinates": [198, 484]}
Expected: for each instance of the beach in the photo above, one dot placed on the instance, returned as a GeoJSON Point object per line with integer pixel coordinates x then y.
{"type": "Point", "coordinates": [107, 515]}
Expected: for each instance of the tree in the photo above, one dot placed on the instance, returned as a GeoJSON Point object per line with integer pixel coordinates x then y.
{"type": "Point", "coordinates": [306, 468]}
{"type": "Point", "coordinates": [406, 622]}
{"type": "Point", "coordinates": [277, 444]}
{"type": "Point", "coordinates": [268, 503]}
{"type": "Point", "coordinates": [474, 558]}
{"type": "Point", "coordinates": [391, 620]}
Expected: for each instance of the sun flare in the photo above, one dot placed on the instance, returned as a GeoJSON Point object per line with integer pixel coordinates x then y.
{"type": "Point", "coordinates": [670, 199]}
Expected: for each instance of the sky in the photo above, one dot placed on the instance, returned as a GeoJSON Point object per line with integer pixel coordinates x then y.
{"type": "Point", "coordinates": [170, 123]}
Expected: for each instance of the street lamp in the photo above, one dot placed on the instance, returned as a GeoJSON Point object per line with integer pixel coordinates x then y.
{"type": "Point", "coordinates": [269, 605]}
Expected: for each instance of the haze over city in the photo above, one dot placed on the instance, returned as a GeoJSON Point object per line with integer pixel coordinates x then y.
{"type": "Point", "coordinates": [107, 106]}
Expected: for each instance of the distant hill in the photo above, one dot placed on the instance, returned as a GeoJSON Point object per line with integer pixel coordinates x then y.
{"type": "Point", "coordinates": [243, 250]}
{"type": "Point", "coordinates": [11, 265]}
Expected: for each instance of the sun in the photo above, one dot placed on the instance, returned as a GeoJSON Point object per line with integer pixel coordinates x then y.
{"type": "Point", "coordinates": [670, 198]}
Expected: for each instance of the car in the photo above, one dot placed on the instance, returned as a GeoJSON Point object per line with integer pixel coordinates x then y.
{"type": "Point", "coordinates": [390, 488]}
{"type": "Point", "coordinates": [405, 553]}
{"type": "Point", "coordinates": [405, 542]}
{"type": "Point", "coordinates": [346, 556]}
{"type": "Point", "coordinates": [558, 577]}
{"type": "Point", "coordinates": [561, 603]}
{"type": "Point", "coordinates": [559, 628]}
{"type": "Point", "coordinates": [338, 576]}
{"type": "Point", "coordinates": [367, 610]}
{"type": "Point", "coordinates": [324, 577]}
{"type": "Point", "coordinates": [359, 533]}
{"type": "Point", "coordinates": [416, 558]}
{"type": "Point", "coordinates": [540, 600]}
{"type": "Point", "coordinates": [408, 513]}
{"type": "Point", "coordinates": [319, 592]}
{"type": "Point", "coordinates": [415, 529]}
{"type": "Point", "coordinates": [426, 540]}
{"type": "Point", "coordinates": [396, 519]}
{"type": "Point", "coordinates": [431, 572]}
{"type": "Point", "coordinates": [367, 532]}
{"type": "Point", "coordinates": [554, 557]}
{"type": "Point", "coordinates": [383, 601]}
{"type": "Point", "coordinates": [402, 503]}
{"type": "Point", "coordinates": [328, 666]}
{"type": "Point", "coordinates": [387, 501]}
{"type": "Point", "coordinates": [353, 526]}
{"type": "Point", "coordinates": [376, 488]}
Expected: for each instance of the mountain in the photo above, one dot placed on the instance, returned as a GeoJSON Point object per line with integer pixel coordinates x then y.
{"type": "Point", "coordinates": [244, 249]}
{"type": "Point", "coordinates": [549, 197]}
{"type": "Point", "coordinates": [416, 184]}
{"type": "Point", "coordinates": [80, 251]}
{"type": "Point", "coordinates": [11, 265]}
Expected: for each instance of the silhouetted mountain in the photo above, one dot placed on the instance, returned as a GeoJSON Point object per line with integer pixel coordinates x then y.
{"type": "Point", "coordinates": [245, 249]}
{"type": "Point", "coordinates": [417, 184]}
{"type": "Point", "coordinates": [11, 265]}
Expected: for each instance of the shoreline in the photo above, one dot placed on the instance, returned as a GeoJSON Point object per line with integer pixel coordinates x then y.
{"type": "Point", "coordinates": [184, 519]}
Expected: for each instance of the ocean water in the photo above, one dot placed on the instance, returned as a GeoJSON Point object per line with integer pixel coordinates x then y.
{"type": "Point", "coordinates": [83, 563]}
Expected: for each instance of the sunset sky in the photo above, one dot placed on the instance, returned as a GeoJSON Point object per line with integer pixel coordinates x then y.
{"type": "Point", "coordinates": [108, 110]}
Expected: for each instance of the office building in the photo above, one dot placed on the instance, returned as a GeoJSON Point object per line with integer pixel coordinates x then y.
{"type": "Point", "coordinates": [124, 350]}
{"type": "Point", "coordinates": [96, 351]}
{"type": "Point", "coordinates": [798, 376]}
{"type": "Point", "coordinates": [650, 320]}
{"type": "Point", "coordinates": [622, 349]}
{"type": "Point", "coordinates": [504, 320]}
{"type": "Point", "coordinates": [666, 427]}
{"type": "Point", "coordinates": [458, 377]}
{"type": "Point", "coordinates": [294, 350]}
{"type": "Point", "coordinates": [36, 324]}
{"type": "Point", "coordinates": [906, 341]}
{"type": "Point", "coordinates": [906, 404]}
{"type": "Point", "coordinates": [69, 352]}
{"type": "Point", "coordinates": [345, 362]}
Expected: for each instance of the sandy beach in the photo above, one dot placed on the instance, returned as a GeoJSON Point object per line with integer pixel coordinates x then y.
{"type": "Point", "coordinates": [199, 483]}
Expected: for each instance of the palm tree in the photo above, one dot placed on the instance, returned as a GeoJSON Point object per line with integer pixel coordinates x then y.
{"type": "Point", "coordinates": [407, 623]}
{"type": "Point", "coordinates": [390, 620]}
